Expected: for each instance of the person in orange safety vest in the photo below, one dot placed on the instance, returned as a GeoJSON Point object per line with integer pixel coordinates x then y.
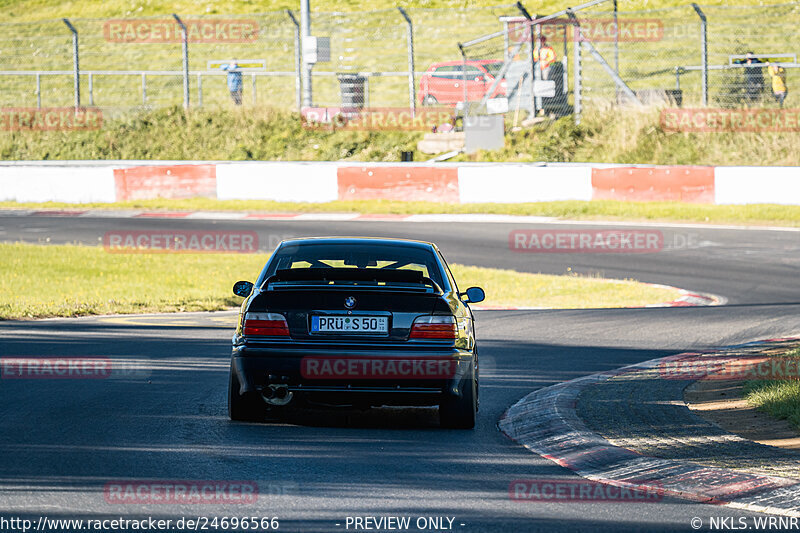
{"type": "Point", "coordinates": [545, 56]}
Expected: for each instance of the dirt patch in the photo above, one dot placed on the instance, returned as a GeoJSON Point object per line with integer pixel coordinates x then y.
{"type": "Point", "coordinates": [721, 403]}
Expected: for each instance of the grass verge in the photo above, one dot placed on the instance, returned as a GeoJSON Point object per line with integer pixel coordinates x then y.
{"type": "Point", "coordinates": [65, 281]}
{"type": "Point", "coordinates": [778, 398]}
{"type": "Point", "coordinates": [755, 214]}
{"type": "Point", "coordinates": [267, 134]}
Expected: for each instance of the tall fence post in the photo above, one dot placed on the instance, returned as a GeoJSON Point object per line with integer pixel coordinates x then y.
{"type": "Point", "coordinates": [528, 18]}
{"type": "Point", "coordinates": [298, 61]}
{"type": "Point", "coordinates": [704, 44]}
{"type": "Point", "coordinates": [465, 110]}
{"type": "Point", "coordinates": [412, 84]}
{"type": "Point", "coordinates": [75, 62]}
{"type": "Point", "coordinates": [305, 31]}
{"type": "Point", "coordinates": [185, 39]}
{"type": "Point", "coordinates": [578, 96]}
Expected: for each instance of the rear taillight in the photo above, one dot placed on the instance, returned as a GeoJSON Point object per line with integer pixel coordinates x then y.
{"type": "Point", "coordinates": [273, 324]}
{"type": "Point", "coordinates": [434, 327]}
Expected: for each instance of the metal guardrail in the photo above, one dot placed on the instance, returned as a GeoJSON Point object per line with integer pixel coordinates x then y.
{"type": "Point", "coordinates": [197, 74]}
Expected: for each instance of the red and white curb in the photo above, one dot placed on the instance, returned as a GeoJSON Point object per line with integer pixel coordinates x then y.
{"type": "Point", "coordinates": [546, 422]}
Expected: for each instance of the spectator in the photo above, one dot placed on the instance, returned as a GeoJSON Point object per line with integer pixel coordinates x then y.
{"type": "Point", "coordinates": [545, 56]}
{"type": "Point", "coordinates": [779, 89]}
{"type": "Point", "coordinates": [234, 81]}
{"type": "Point", "coordinates": [753, 79]}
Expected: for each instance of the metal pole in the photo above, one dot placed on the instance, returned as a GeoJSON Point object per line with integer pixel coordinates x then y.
{"type": "Point", "coordinates": [506, 51]}
{"type": "Point", "coordinates": [298, 61]}
{"type": "Point", "coordinates": [616, 38]}
{"type": "Point", "coordinates": [185, 39]}
{"type": "Point", "coordinates": [578, 99]}
{"type": "Point", "coordinates": [532, 57]}
{"type": "Point", "coordinates": [144, 89]}
{"type": "Point", "coordinates": [704, 44]}
{"type": "Point", "coordinates": [254, 90]}
{"type": "Point", "coordinates": [38, 90]}
{"type": "Point", "coordinates": [305, 31]}
{"type": "Point", "coordinates": [412, 88]}
{"type": "Point", "coordinates": [75, 62]}
{"type": "Point", "coordinates": [678, 78]}
{"type": "Point", "coordinates": [616, 46]}
{"type": "Point", "coordinates": [464, 78]}
{"type": "Point", "coordinates": [91, 89]}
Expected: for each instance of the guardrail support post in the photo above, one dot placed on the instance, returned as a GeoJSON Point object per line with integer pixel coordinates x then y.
{"type": "Point", "coordinates": [185, 46]}
{"type": "Point", "coordinates": [412, 86]}
{"type": "Point", "coordinates": [298, 61]}
{"type": "Point", "coordinates": [75, 62]}
{"type": "Point", "coordinates": [704, 45]}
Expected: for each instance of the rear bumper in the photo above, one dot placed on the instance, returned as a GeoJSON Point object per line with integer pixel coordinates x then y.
{"type": "Point", "coordinates": [344, 376]}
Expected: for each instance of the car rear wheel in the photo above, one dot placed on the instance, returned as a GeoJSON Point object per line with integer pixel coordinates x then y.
{"type": "Point", "coordinates": [430, 100]}
{"type": "Point", "coordinates": [246, 407]}
{"type": "Point", "coordinates": [460, 412]}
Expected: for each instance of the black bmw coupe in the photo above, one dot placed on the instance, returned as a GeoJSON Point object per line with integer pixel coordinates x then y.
{"type": "Point", "coordinates": [355, 322]}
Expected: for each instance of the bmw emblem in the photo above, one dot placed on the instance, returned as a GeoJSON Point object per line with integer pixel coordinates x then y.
{"type": "Point", "coordinates": [349, 302]}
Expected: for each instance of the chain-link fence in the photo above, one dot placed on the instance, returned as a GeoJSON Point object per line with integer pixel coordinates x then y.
{"type": "Point", "coordinates": [593, 57]}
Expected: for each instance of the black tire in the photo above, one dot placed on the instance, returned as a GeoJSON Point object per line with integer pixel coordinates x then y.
{"type": "Point", "coordinates": [429, 100]}
{"type": "Point", "coordinates": [248, 407]}
{"type": "Point", "coordinates": [461, 412]}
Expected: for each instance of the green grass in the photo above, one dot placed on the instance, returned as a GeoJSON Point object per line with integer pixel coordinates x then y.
{"type": "Point", "coordinates": [33, 10]}
{"type": "Point", "coordinates": [268, 134]}
{"type": "Point", "coordinates": [755, 214]}
{"type": "Point", "coordinates": [46, 281]}
{"type": "Point", "coordinates": [780, 399]}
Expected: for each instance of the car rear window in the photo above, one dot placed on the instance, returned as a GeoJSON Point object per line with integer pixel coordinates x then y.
{"type": "Point", "coordinates": [340, 255]}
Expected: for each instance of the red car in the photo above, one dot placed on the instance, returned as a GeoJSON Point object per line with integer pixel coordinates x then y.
{"type": "Point", "coordinates": [443, 83]}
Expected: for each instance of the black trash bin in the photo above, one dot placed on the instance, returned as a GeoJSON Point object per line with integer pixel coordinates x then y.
{"type": "Point", "coordinates": [351, 87]}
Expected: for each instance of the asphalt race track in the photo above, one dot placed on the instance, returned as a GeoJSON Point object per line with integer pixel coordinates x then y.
{"type": "Point", "coordinates": [164, 418]}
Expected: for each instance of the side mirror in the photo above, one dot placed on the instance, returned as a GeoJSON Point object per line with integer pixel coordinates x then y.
{"type": "Point", "coordinates": [474, 295]}
{"type": "Point", "coordinates": [242, 288]}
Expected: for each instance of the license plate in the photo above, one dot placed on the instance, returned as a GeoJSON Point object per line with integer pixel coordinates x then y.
{"type": "Point", "coordinates": [349, 324]}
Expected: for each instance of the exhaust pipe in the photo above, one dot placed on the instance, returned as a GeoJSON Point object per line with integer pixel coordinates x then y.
{"type": "Point", "coordinates": [277, 394]}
